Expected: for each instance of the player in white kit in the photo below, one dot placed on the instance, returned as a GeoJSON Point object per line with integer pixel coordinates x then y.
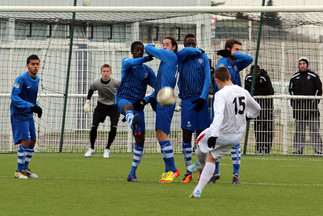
{"type": "Point", "coordinates": [232, 105]}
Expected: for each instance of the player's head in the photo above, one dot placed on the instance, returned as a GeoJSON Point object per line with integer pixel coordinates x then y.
{"type": "Point", "coordinates": [233, 45]}
{"type": "Point", "coordinates": [303, 63]}
{"type": "Point", "coordinates": [137, 49]}
{"type": "Point", "coordinates": [258, 71]}
{"type": "Point", "coordinates": [222, 74]}
{"type": "Point", "coordinates": [106, 72]}
{"type": "Point", "coordinates": [33, 64]}
{"type": "Point", "coordinates": [190, 40]}
{"type": "Point", "coordinates": [170, 43]}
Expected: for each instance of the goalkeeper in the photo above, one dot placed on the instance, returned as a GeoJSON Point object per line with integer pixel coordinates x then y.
{"type": "Point", "coordinates": [107, 88]}
{"type": "Point", "coordinates": [131, 100]}
{"type": "Point", "coordinates": [23, 105]}
{"type": "Point", "coordinates": [194, 84]}
{"type": "Point", "coordinates": [235, 61]}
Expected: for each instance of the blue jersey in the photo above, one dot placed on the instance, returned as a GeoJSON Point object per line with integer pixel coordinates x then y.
{"type": "Point", "coordinates": [168, 66]}
{"type": "Point", "coordinates": [194, 73]}
{"type": "Point", "coordinates": [23, 96]}
{"type": "Point", "coordinates": [135, 76]}
{"type": "Point", "coordinates": [241, 61]}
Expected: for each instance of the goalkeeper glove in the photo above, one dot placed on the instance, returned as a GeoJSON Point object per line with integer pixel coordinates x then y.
{"type": "Point", "coordinates": [87, 106]}
{"type": "Point", "coordinates": [199, 104]}
{"type": "Point", "coordinates": [153, 103]}
{"type": "Point", "coordinates": [36, 109]}
{"type": "Point", "coordinates": [139, 105]}
{"type": "Point", "coordinates": [211, 142]}
{"type": "Point", "coordinates": [224, 53]}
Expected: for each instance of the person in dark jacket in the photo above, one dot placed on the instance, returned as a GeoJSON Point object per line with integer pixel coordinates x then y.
{"type": "Point", "coordinates": [263, 125]}
{"type": "Point", "coordinates": [305, 111]}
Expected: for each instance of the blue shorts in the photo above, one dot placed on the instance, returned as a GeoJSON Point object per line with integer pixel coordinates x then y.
{"type": "Point", "coordinates": [122, 102]}
{"type": "Point", "coordinates": [164, 117]}
{"type": "Point", "coordinates": [23, 129]}
{"type": "Point", "coordinates": [194, 120]}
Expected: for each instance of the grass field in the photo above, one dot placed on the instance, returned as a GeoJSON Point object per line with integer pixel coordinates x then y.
{"type": "Point", "coordinates": [70, 184]}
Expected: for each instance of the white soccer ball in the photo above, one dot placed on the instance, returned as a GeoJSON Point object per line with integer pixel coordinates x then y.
{"type": "Point", "coordinates": [166, 96]}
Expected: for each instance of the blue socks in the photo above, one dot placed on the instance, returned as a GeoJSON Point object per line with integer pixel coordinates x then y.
{"type": "Point", "coordinates": [30, 152]}
{"type": "Point", "coordinates": [129, 117]}
{"type": "Point", "coordinates": [168, 156]}
{"type": "Point", "coordinates": [236, 160]}
{"type": "Point", "coordinates": [137, 155]}
{"type": "Point", "coordinates": [22, 153]}
{"type": "Point", "coordinates": [187, 152]}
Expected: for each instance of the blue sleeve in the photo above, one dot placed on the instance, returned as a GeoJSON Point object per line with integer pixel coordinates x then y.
{"type": "Point", "coordinates": [242, 60]}
{"type": "Point", "coordinates": [161, 54]}
{"type": "Point", "coordinates": [128, 63]}
{"type": "Point", "coordinates": [221, 62]}
{"type": "Point", "coordinates": [152, 83]}
{"type": "Point", "coordinates": [187, 52]}
{"type": "Point", "coordinates": [207, 78]}
{"type": "Point", "coordinates": [15, 99]}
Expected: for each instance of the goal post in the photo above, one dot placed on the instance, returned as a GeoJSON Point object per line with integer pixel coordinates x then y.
{"type": "Point", "coordinates": [104, 35]}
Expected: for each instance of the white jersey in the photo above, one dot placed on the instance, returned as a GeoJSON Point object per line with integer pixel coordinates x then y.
{"type": "Point", "coordinates": [231, 106]}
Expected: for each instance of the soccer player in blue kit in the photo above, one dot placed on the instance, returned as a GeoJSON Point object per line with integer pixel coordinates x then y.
{"type": "Point", "coordinates": [130, 98]}
{"type": "Point", "coordinates": [235, 61]}
{"type": "Point", "coordinates": [194, 84]}
{"type": "Point", "coordinates": [23, 105]}
{"type": "Point", "coordinates": [166, 77]}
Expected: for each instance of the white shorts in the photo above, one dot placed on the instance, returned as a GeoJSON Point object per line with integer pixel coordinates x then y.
{"type": "Point", "coordinates": [223, 143]}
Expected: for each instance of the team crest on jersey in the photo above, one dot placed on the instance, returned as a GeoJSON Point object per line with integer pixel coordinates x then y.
{"type": "Point", "coordinates": [308, 77]}
{"type": "Point", "coordinates": [200, 60]}
{"type": "Point", "coordinates": [146, 75]}
{"type": "Point", "coordinates": [188, 124]}
{"type": "Point", "coordinates": [235, 68]}
{"type": "Point", "coordinates": [17, 85]}
{"type": "Point", "coordinates": [260, 81]}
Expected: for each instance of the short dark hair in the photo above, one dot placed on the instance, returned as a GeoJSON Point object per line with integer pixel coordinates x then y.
{"type": "Point", "coordinates": [189, 36]}
{"type": "Point", "coordinates": [135, 43]}
{"type": "Point", "coordinates": [222, 73]}
{"type": "Point", "coordinates": [252, 68]}
{"type": "Point", "coordinates": [230, 42]}
{"type": "Point", "coordinates": [174, 42]}
{"type": "Point", "coordinates": [32, 57]}
{"type": "Point", "coordinates": [105, 66]}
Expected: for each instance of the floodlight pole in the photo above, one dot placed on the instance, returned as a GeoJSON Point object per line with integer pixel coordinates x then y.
{"type": "Point", "coordinates": [254, 76]}
{"type": "Point", "coordinates": [67, 79]}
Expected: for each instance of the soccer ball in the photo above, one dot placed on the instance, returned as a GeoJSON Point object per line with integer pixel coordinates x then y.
{"type": "Point", "coordinates": [166, 96]}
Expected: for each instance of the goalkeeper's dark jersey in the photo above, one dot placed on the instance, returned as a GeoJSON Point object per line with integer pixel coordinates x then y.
{"type": "Point", "coordinates": [194, 73]}
{"type": "Point", "coordinates": [135, 76]}
{"type": "Point", "coordinates": [23, 96]}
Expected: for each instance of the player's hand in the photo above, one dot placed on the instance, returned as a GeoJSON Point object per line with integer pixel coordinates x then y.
{"type": "Point", "coordinates": [153, 103]}
{"type": "Point", "coordinates": [199, 104]}
{"type": "Point", "coordinates": [211, 142]}
{"type": "Point", "coordinates": [87, 107]}
{"type": "Point", "coordinates": [139, 105]}
{"type": "Point", "coordinates": [151, 57]}
{"type": "Point", "coordinates": [36, 109]}
{"type": "Point", "coordinates": [224, 53]}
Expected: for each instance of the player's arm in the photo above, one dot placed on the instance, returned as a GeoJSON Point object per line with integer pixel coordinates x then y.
{"type": "Point", "coordinates": [188, 52]}
{"type": "Point", "coordinates": [207, 78]}
{"type": "Point", "coordinates": [243, 60]}
{"type": "Point", "coordinates": [161, 54]}
{"type": "Point", "coordinates": [253, 108]}
{"type": "Point", "coordinates": [128, 63]}
{"type": "Point", "coordinates": [221, 63]}
{"type": "Point", "coordinates": [87, 104]}
{"type": "Point", "coordinates": [15, 98]}
{"type": "Point", "coordinates": [218, 107]}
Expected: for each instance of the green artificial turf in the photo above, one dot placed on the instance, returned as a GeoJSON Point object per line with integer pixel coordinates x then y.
{"type": "Point", "coordinates": [70, 184]}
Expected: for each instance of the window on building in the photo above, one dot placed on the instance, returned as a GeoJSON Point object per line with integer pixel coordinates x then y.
{"type": "Point", "coordinates": [178, 33]}
{"type": "Point", "coordinates": [108, 32]}
{"type": "Point", "coordinates": [29, 29]}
